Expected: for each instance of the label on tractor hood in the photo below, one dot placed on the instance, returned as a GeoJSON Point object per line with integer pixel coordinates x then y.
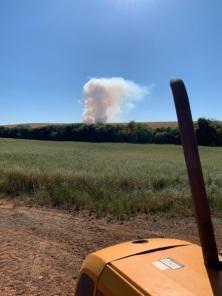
{"type": "Point", "coordinates": [167, 263]}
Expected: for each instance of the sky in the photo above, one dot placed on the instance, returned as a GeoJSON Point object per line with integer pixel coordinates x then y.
{"type": "Point", "coordinates": [49, 49]}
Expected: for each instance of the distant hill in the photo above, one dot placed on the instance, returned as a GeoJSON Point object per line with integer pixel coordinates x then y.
{"type": "Point", "coordinates": [163, 124]}
{"type": "Point", "coordinates": [31, 125]}
{"type": "Point", "coordinates": [154, 124]}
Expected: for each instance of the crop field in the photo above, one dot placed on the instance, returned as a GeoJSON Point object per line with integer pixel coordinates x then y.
{"type": "Point", "coordinates": [113, 180]}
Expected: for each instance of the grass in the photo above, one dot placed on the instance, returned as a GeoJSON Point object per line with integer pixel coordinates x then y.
{"type": "Point", "coordinates": [120, 180]}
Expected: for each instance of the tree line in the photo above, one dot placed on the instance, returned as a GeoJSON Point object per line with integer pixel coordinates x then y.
{"type": "Point", "coordinates": [208, 132]}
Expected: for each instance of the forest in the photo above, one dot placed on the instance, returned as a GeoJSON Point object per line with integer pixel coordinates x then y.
{"type": "Point", "coordinates": [208, 132]}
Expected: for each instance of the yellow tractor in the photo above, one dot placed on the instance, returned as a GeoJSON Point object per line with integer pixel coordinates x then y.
{"type": "Point", "coordinates": [156, 266]}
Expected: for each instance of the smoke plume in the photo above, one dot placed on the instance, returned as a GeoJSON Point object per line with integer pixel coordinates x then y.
{"type": "Point", "coordinates": [105, 99]}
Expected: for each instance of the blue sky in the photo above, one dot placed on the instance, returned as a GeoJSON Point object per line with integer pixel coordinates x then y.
{"type": "Point", "coordinates": [50, 48]}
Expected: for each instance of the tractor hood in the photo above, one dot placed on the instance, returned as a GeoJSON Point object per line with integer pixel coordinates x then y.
{"type": "Point", "coordinates": [96, 262]}
{"type": "Point", "coordinates": [178, 271]}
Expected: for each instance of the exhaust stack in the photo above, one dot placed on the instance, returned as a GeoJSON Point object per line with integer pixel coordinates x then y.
{"type": "Point", "coordinates": [195, 175]}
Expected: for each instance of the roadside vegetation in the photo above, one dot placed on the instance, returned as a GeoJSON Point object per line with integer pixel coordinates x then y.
{"type": "Point", "coordinates": [108, 179]}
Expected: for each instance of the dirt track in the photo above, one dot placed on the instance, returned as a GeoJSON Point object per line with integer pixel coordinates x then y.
{"type": "Point", "coordinates": [41, 250]}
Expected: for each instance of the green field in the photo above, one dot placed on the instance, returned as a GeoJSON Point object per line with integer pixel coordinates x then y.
{"type": "Point", "coordinates": [109, 179]}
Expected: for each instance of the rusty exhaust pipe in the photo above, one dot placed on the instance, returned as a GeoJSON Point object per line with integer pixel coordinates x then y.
{"type": "Point", "coordinates": [195, 175]}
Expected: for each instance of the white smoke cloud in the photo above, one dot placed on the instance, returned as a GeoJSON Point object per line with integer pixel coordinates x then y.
{"type": "Point", "coordinates": [105, 99]}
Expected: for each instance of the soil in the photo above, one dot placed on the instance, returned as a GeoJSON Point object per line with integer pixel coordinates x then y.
{"type": "Point", "coordinates": [41, 250]}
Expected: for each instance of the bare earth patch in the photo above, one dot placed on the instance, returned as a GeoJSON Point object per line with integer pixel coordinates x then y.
{"type": "Point", "coordinates": [41, 250]}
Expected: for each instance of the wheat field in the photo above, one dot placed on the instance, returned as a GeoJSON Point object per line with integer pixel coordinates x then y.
{"type": "Point", "coordinates": [108, 179]}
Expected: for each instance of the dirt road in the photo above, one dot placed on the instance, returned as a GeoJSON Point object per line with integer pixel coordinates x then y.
{"type": "Point", "coordinates": [41, 250]}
